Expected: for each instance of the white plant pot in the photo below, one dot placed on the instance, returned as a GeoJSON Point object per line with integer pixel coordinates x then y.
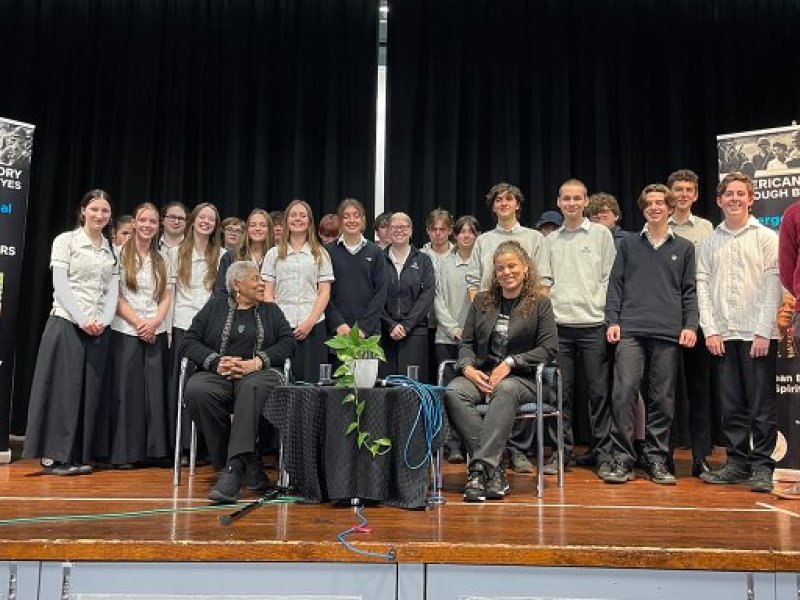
{"type": "Point", "coordinates": [365, 372]}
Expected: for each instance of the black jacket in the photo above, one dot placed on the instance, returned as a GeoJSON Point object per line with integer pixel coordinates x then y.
{"type": "Point", "coordinates": [409, 297]}
{"type": "Point", "coordinates": [532, 338]}
{"type": "Point", "coordinates": [207, 337]}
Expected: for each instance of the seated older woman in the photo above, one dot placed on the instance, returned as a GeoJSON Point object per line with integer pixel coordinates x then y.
{"type": "Point", "coordinates": [234, 341]}
{"type": "Point", "coordinates": [510, 329]}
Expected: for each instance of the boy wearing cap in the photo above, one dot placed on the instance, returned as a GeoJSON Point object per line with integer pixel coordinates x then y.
{"type": "Point", "coordinates": [739, 292]}
{"type": "Point", "coordinates": [579, 258]}
{"type": "Point", "coordinates": [549, 222]}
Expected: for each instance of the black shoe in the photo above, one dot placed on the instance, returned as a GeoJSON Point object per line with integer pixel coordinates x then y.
{"type": "Point", "coordinates": [620, 473]}
{"type": "Point", "coordinates": [226, 490]}
{"type": "Point", "coordinates": [497, 486]}
{"type": "Point", "coordinates": [604, 468]}
{"type": "Point", "coordinates": [588, 459]}
{"type": "Point", "coordinates": [726, 475]}
{"type": "Point", "coordinates": [551, 466]}
{"type": "Point", "coordinates": [700, 466]}
{"type": "Point", "coordinates": [254, 476]}
{"type": "Point", "coordinates": [456, 457]}
{"type": "Point", "coordinates": [61, 469]}
{"type": "Point", "coordinates": [125, 467]}
{"type": "Point", "coordinates": [658, 473]}
{"type": "Point", "coordinates": [761, 480]}
{"type": "Point", "coordinates": [520, 463]}
{"type": "Point", "coordinates": [475, 490]}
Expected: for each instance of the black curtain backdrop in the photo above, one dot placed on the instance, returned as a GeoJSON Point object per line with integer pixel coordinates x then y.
{"type": "Point", "coordinates": [243, 103]}
{"type": "Point", "coordinates": [618, 93]}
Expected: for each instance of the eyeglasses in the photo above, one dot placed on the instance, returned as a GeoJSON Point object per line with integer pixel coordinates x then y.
{"type": "Point", "coordinates": [175, 217]}
{"type": "Point", "coordinates": [233, 230]}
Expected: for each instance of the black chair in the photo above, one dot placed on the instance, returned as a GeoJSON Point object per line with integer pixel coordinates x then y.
{"type": "Point", "coordinates": [539, 410]}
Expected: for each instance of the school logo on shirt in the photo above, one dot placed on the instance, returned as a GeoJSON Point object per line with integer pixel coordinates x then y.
{"type": "Point", "coordinates": [414, 265]}
{"type": "Point", "coordinates": [673, 257]}
{"type": "Point", "coordinates": [369, 259]}
{"type": "Point", "coordinates": [586, 250]}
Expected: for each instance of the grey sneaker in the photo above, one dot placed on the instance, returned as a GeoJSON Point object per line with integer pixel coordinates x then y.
{"type": "Point", "coordinates": [604, 468]}
{"type": "Point", "coordinates": [761, 480]}
{"type": "Point", "coordinates": [726, 475]}
{"type": "Point", "coordinates": [551, 466]}
{"type": "Point", "coordinates": [497, 486]}
{"type": "Point", "coordinates": [520, 463]}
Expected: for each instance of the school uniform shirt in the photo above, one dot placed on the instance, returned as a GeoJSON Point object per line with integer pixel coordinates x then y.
{"type": "Point", "coordinates": [695, 229]}
{"type": "Point", "coordinates": [143, 300]}
{"type": "Point", "coordinates": [479, 275]}
{"type": "Point", "coordinates": [580, 262]}
{"type": "Point", "coordinates": [451, 303]}
{"type": "Point", "coordinates": [297, 278]}
{"type": "Point", "coordinates": [89, 271]}
{"type": "Point", "coordinates": [187, 302]}
{"type": "Point", "coordinates": [738, 286]}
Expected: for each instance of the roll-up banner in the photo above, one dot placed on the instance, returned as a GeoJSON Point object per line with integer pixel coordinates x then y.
{"type": "Point", "coordinates": [16, 145]}
{"type": "Point", "coordinates": [771, 158]}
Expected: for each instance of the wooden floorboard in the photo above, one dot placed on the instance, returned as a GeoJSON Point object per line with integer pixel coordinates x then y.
{"type": "Point", "coordinates": [637, 525]}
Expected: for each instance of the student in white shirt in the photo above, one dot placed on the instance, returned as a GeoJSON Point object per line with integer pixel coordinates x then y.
{"type": "Point", "coordinates": [739, 290]}
{"type": "Point", "coordinates": [173, 225]}
{"type": "Point", "coordinates": [579, 255]}
{"type": "Point", "coordinates": [695, 366]}
{"type": "Point", "coordinates": [195, 263]}
{"type": "Point", "coordinates": [139, 353]}
{"type": "Point", "coordinates": [257, 240]}
{"type": "Point", "coordinates": [298, 276]}
{"type": "Point", "coordinates": [67, 390]}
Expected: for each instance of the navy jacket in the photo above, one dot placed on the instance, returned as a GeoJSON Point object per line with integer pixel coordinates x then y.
{"type": "Point", "coordinates": [409, 297]}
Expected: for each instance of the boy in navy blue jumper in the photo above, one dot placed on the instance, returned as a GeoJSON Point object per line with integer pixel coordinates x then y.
{"type": "Point", "coordinates": [651, 311]}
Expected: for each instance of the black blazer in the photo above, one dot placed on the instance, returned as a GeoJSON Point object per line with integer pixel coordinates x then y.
{"type": "Point", "coordinates": [532, 338]}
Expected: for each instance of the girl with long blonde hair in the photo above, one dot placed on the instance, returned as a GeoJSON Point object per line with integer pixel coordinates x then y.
{"type": "Point", "coordinates": [257, 240]}
{"type": "Point", "coordinates": [298, 275]}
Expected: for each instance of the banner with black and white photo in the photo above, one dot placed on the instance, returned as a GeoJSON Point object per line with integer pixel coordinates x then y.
{"type": "Point", "coordinates": [16, 144]}
{"type": "Point", "coordinates": [771, 158]}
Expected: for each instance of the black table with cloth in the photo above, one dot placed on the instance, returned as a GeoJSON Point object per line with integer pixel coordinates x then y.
{"type": "Point", "coordinates": [325, 465]}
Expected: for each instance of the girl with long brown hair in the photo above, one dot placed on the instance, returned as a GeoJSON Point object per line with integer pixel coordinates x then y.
{"type": "Point", "coordinates": [138, 411]}
{"type": "Point", "coordinates": [257, 240]}
{"type": "Point", "coordinates": [298, 275]}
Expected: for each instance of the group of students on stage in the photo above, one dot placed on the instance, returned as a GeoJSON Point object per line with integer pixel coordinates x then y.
{"type": "Point", "coordinates": [614, 309]}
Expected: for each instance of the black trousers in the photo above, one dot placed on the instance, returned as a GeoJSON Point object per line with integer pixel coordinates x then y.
{"type": "Point", "coordinates": [583, 350]}
{"type": "Point", "coordinates": [211, 399]}
{"type": "Point", "coordinates": [653, 362]}
{"type": "Point", "coordinates": [748, 404]}
{"type": "Point", "coordinates": [411, 350]}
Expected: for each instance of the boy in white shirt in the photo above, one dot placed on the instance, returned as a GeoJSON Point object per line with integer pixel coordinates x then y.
{"type": "Point", "coordinates": [739, 292]}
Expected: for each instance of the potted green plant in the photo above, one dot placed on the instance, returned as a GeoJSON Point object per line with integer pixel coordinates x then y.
{"type": "Point", "coordinates": [359, 369]}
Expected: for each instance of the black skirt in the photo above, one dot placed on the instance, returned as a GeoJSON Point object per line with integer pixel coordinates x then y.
{"type": "Point", "coordinates": [67, 394]}
{"type": "Point", "coordinates": [309, 355]}
{"type": "Point", "coordinates": [138, 410]}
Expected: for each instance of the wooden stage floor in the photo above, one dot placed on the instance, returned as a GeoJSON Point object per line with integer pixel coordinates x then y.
{"type": "Point", "coordinates": [587, 523]}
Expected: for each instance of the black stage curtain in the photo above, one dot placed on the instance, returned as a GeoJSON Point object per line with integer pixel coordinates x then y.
{"type": "Point", "coordinates": [618, 93]}
{"type": "Point", "coordinates": [242, 103]}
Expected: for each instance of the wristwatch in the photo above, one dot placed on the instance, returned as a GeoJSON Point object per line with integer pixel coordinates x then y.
{"type": "Point", "coordinates": [509, 360]}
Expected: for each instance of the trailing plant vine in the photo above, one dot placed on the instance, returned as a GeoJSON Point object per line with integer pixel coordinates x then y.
{"type": "Point", "coordinates": [348, 349]}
